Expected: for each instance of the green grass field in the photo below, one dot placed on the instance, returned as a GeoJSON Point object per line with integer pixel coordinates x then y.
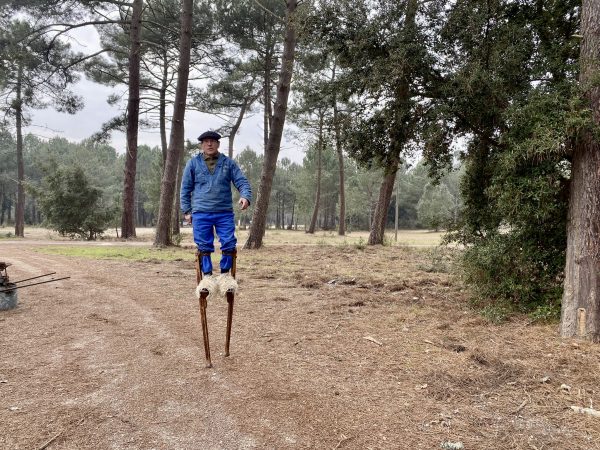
{"type": "Point", "coordinates": [140, 249]}
{"type": "Point", "coordinates": [118, 252]}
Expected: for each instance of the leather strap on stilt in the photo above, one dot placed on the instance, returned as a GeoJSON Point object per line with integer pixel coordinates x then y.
{"type": "Point", "coordinates": [233, 254]}
{"type": "Point", "coordinates": [199, 255]}
{"type": "Point", "coordinates": [198, 266]}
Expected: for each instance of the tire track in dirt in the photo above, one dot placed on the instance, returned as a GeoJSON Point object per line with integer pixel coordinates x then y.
{"type": "Point", "coordinates": [134, 378]}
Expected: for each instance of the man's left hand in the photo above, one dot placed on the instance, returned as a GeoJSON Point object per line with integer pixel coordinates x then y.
{"type": "Point", "coordinates": [244, 203]}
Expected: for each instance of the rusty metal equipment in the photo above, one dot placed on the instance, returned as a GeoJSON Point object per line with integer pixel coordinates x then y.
{"type": "Point", "coordinates": [203, 303]}
{"type": "Point", "coordinates": [8, 289]}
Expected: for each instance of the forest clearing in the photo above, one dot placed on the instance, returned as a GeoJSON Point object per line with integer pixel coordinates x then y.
{"type": "Point", "coordinates": [126, 123]}
{"type": "Point", "coordinates": [334, 345]}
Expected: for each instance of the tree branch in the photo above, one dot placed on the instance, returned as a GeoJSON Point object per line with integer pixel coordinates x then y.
{"type": "Point", "coordinates": [268, 10]}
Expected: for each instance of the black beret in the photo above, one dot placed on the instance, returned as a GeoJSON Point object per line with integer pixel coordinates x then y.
{"type": "Point", "coordinates": [209, 135]}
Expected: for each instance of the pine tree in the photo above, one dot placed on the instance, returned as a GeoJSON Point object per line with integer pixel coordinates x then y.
{"type": "Point", "coordinates": [33, 75]}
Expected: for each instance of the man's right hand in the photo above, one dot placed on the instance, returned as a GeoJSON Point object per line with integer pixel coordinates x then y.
{"type": "Point", "coordinates": [188, 218]}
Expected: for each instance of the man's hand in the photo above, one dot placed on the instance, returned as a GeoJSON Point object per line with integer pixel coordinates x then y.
{"type": "Point", "coordinates": [244, 203]}
{"type": "Point", "coordinates": [187, 218]}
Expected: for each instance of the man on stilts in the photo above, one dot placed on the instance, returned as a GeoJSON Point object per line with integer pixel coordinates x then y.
{"type": "Point", "coordinates": [206, 201]}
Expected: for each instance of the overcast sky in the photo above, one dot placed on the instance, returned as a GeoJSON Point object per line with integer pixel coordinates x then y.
{"type": "Point", "coordinates": [48, 123]}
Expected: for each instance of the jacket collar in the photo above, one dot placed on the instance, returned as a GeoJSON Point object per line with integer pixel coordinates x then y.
{"type": "Point", "coordinates": [203, 165]}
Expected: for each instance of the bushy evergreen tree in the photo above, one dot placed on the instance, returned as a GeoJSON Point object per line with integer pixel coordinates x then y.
{"type": "Point", "coordinates": [510, 92]}
{"type": "Point", "coordinates": [71, 205]}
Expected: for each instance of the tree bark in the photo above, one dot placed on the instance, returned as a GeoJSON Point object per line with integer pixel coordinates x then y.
{"type": "Point", "coordinates": [133, 109]}
{"type": "Point", "coordinates": [176, 215]}
{"type": "Point", "coordinates": [383, 202]}
{"type": "Point", "coordinates": [283, 211]}
{"type": "Point", "coordinates": [340, 154]}
{"type": "Point", "coordinates": [236, 126]}
{"type": "Point", "coordinates": [315, 214]}
{"type": "Point", "coordinates": [580, 315]}
{"type": "Point", "coordinates": [176, 140]}
{"type": "Point", "coordinates": [20, 209]}
{"type": "Point", "coordinates": [267, 97]}
{"type": "Point", "coordinates": [277, 211]}
{"type": "Point", "coordinates": [259, 217]}
{"type": "Point", "coordinates": [162, 109]}
{"type": "Point", "coordinates": [2, 209]}
{"type": "Point", "coordinates": [289, 227]}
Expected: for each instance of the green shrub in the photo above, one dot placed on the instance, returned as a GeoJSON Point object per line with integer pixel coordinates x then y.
{"type": "Point", "coordinates": [496, 313]}
{"type": "Point", "coordinates": [546, 313]}
{"type": "Point", "coordinates": [361, 244]}
{"type": "Point", "coordinates": [71, 205]}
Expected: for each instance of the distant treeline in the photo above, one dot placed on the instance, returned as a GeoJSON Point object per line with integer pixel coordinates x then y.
{"type": "Point", "coordinates": [421, 203]}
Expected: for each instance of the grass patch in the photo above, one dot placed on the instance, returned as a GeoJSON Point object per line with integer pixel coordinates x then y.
{"type": "Point", "coordinates": [440, 260]}
{"type": "Point", "coordinates": [116, 252]}
{"type": "Point", "coordinates": [497, 313]}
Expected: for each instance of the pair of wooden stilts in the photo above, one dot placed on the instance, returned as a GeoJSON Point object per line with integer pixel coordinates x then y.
{"type": "Point", "coordinates": [203, 303]}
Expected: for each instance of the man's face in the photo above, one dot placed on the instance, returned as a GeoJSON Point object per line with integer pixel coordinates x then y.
{"type": "Point", "coordinates": [210, 147]}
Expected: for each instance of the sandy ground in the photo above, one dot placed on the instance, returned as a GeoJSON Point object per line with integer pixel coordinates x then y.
{"type": "Point", "coordinates": [333, 347]}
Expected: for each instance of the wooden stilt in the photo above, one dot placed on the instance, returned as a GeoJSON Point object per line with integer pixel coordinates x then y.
{"type": "Point", "coordinates": [230, 301]}
{"type": "Point", "coordinates": [203, 303]}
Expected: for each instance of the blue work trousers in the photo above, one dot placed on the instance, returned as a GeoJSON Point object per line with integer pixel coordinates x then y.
{"type": "Point", "coordinates": [205, 225]}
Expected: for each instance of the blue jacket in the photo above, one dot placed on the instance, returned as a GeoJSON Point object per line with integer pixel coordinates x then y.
{"type": "Point", "coordinates": [202, 191]}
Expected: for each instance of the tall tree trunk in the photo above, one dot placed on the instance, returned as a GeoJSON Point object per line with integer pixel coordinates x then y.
{"type": "Point", "coordinates": [383, 202]}
{"type": "Point", "coordinates": [20, 209]}
{"type": "Point", "coordinates": [2, 209]}
{"type": "Point", "coordinates": [399, 135]}
{"type": "Point", "coordinates": [267, 97]}
{"type": "Point", "coordinates": [580, 315]}
{"type": "Point", "coordinates": [133, 110]}
{"type": "Point", "coordinates": [176, 141]}
{"type": "Point", "coordinates": [315, 214]}
{"type": "Point", "coordinates": [277, 211]}
{"type": "Point", "coordinates": [176, 218]}
{"type": "Point", "coordinates": [259, 217]}
{"type": "Point", "coordinates": [236, 125]}
{"type": "Point", "coordinates": [340, 154]}
{"type": "Point", "coordinates": [289, 227]}
{"type": "Point", "coordinates": [162, 109]}
{"type": "Point", "coordinates": [136, 201]}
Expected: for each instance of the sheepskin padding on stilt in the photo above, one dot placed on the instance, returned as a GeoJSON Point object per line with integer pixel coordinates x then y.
{"type": "Point", "coordinates": [227, 283]}
{"type": "Point", "coordinates": [209, 283]}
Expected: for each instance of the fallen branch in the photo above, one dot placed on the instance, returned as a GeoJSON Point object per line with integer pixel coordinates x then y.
{"type": "Point", "coordinates": [372, 339]}
{"type": "Point", "coordinates": [521, 406]}
{"type": "Point", "coordinates": [342, 440]}
{"type": "Point", "coordinates": [458, 348]}
{"type": "Point", "coordinates": [590, 411]}
{"type": "Point", "coordinates": [57, 435]}
{"type": "Point", "coordinates": [51, 440]}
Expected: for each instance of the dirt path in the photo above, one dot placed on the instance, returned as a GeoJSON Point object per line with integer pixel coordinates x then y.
{"type": "Point", "coordinates": [109, 358]}
{"type": "Point", "coordinates": [331, 348]}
